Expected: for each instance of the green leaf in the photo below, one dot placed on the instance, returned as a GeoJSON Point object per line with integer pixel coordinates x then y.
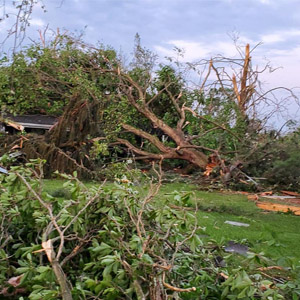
{"type": "Point", "coordinates": [107, 270]}
{"type": "Point", "coordinates": [242, 294]}
{"type": "Point", "coordinates": [98, 288]}
{"type": "Point", "coordinates": [225, 292]}
{"type": "Point", "coordinates": [88, 266]}
{"type": "Point", "coordinates": [22, 270]}
{"type": "Point", "coordinates": [90, 283]}
{"type": "Point", "coordinates": [107, 261]}
{"type": "Point", "coordinates": [147, 258]}
{"type": "Point", "coordinates": [43, 269]}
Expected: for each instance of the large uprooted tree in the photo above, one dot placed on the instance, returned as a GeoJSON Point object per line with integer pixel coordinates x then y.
{"type": "Point", "coordinates": [151, 110]}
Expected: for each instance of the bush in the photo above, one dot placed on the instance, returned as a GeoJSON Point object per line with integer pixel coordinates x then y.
{"type": "Point", "coordinates": [109, 242]}
{"type": "Point", "coordinates": [119, 170]}
{"type": "Point", "coordinates": [284, 171]}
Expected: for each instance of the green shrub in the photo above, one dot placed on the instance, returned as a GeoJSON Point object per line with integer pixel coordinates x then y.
{"type": "Point", "coordinates": [120, 170]}
{"type": "Point", "coordinates": [284, 166]}
{"type": "Point", "coordinates": [109, 242]}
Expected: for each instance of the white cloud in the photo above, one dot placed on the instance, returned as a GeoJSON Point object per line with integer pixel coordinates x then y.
{"type": "Point", "coordinates": [192, 50]}
{"type": "Point", "coordinates": [287, 61]}
{"type": "Point", "coordinates": [265, 1]}
{"type": "Point", "coordinates": [199, 50]}
{"type": "Point", "coordinates": [280, 36]}
{"type": "Point", "coordinates": [272, 38]}
{"type": "Point", "coordinates": [37, 22]}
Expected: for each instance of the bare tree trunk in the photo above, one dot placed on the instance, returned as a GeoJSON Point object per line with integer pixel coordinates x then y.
{"type": "Point", "coordinates": [62, 280]}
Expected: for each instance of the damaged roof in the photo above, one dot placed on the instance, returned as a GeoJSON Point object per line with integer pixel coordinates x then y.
{"type": "Point", "coordinates": [33, 121]}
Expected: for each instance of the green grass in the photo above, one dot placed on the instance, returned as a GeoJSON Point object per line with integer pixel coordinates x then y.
{"type": "Point", "coordinates": [275, 234]}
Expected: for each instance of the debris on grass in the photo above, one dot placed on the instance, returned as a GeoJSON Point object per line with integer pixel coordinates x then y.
{"type": "Point", "coordinates": [290, 193]}
{"type": "Point", "coordinates": [283, 202]}
{"type": "Point", "coordinates": [279, 207]}
{"type": "Point", "coordinates": [253, 197]}
{"type": "Point", "coordinates": [263, 194]}
{"type": "Point", "coordinates": [234, 247]}
{"type": "Point", "coordinates": [277, 197]}
{"type": "Point", "coordinates": [223, 275]}
{"type": "Point", "coordinates": [233, 223]}
{"type": "Point", "coordinates": [220, 262]}
{"type": "Point", "coordinates": [4, 171]}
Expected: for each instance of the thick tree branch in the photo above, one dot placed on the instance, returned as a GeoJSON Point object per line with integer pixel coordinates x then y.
{"type": "Point", "coordinates": [179, 110]}
{"type": "Point", "coordinates": [137, 150]}
{"type": "Point", "coordinates": [157, 123]}
{"type": "Point", "coordinates": [151, 138]}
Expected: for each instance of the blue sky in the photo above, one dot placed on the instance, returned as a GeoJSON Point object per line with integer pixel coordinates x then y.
{"type": "Point", "coordinates": [201, 27]}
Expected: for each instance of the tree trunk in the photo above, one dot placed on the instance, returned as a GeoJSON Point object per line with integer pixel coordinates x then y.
{"type": "Point", "coordinates": [195, 157]}
{"type": "Point", "coordinates": [189, 154]}
{"type": "Point", "coordinates": [62, 280]}
{"type": "Point", "coordinates": [184, 150]}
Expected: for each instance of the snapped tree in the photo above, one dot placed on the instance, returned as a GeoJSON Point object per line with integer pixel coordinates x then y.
{"type": "Point", "coordinates": [151, 110]}
{"type": "Point", "coordinates": [215, 120]}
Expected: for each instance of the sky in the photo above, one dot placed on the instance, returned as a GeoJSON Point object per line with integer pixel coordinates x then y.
{"type": "Point", "coordinates": [202, 28]}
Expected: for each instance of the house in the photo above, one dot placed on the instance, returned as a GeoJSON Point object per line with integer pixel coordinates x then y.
{"type": "Point", "coordinates": [29, 123]}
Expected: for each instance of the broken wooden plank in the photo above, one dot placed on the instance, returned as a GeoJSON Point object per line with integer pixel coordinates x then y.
{"type": "Point", "coordinates": [4, 171]}
{"type": "Point", "coordinates": [294, 194]}
{"type": "Point", "coordinates": [278, 207]}
{"type": "Point", "coordinates": [233, 223]}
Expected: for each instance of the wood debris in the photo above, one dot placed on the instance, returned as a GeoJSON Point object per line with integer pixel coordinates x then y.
{"type": "Point", "coordinates": [278, 207]}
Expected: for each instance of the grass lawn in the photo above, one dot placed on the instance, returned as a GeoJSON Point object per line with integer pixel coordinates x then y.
{"type": "Point", "coordinates": [275, 234]}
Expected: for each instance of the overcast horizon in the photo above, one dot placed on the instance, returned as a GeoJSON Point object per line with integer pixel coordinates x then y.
{"type": "Point", "coordinates": [202, 28]}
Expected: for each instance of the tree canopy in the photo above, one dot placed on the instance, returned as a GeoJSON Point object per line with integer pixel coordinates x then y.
{"type": "Point", "coordinates": [147, 108]}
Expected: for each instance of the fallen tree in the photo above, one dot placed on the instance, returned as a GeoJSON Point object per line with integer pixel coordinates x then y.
{"type": "Point", "coordinates": [150, 110]}
{"type": "Point", "coordinates": [217, 119]}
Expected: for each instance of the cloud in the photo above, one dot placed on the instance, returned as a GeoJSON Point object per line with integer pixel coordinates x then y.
{"type": "Point", "coordinates": [286, 61]}
{"type": "Point", "coordinates": [284, 56]}
{"type": "Point", "coordinates": [265, 1]}
{"type": "Point", "coordinates": [280, 36]}
{"type": "Point", "coordinates": [205, 49]}
{"type": "Point", "coordinates": [37, 22]}
{"type": "Point", "coordinates": [192, 50]}
{"type": "Point", "coordinates": [272, 38]}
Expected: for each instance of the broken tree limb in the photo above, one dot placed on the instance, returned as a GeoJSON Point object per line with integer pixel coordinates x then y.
{"type": "Point", "coordinates": [176, 289]}
{"type": "Point", "coordinates": [151, 138]}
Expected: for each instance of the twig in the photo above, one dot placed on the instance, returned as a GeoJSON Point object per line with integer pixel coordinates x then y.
{"type": "Point", "coordinates": [44, 204]}
{"type": "Point", "coordinates": [176, 289]}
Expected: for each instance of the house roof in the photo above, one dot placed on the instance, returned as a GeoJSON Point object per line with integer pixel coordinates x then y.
{"type": "Point", "coordinates": [34, 121]}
